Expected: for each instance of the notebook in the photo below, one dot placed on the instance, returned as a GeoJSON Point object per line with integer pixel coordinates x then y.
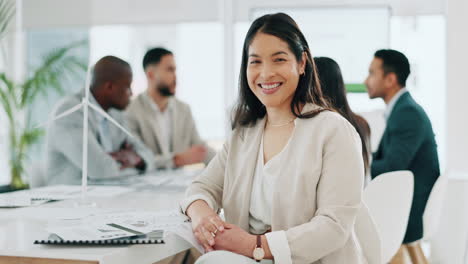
{"type": "Point", "coordinates": [109, 234]}
{"type": "Point", "coordinates": [56, 240]}
{"type": "Point", "coordinates": [32, 197]}
{"type": "Point", "coordinates": [14, 201]}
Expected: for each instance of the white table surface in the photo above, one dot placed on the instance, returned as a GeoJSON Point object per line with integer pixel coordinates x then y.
{"type": "Point", "coordinates": [21, 226]}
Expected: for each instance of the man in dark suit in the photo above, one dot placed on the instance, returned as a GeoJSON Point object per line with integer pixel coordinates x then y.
{"type": "Point", "coordinates": [408, 141]}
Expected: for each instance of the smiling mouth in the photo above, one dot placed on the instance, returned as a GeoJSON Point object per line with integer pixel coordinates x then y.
{"type": "Point", "coordinates": [269, 86]}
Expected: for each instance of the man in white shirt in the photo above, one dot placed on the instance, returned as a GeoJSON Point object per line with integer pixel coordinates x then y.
{"type": "Point", "coordinates": [111, 152]}
{"type": "Point", "coordinates": [164, 123]}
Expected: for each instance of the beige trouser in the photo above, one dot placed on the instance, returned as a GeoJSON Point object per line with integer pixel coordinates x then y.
{"type": "Point", "coordinates": [226, 257]}
{"type": "Point", "coordinates": [190, 256]}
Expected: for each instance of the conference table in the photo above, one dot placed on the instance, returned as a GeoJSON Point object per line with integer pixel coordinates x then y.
{"type": "Point", "coordinates": [153, 192]}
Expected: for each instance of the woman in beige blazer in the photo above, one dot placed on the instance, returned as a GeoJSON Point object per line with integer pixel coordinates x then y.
{"type": "Point", "coordinates": [290, 176]}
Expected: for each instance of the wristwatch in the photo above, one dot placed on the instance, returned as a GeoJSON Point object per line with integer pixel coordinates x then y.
{"type": "Point", "coordinates": [258, 253]}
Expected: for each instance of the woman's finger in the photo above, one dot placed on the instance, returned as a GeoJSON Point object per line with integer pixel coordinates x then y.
{"type": "Point", "coordinates": [218, 223]}
{"type": "Point", "coordinates": [212, 228]}
{"type": "Point", "coordinates": [197, 236]}
{"type": "Point", "coordinates": [208, 236]}
{"type": "Point", "coordinates": [229, 226]}
{"type": "Point", "coordinates": [202, 240]}
{"type": "Point", "coordinates": [207, 248]}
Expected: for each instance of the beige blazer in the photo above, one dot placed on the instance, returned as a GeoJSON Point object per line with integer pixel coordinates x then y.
{"type": "Point", "coordinates": [315, 201]}
{"type": "Point", "coordinates": [184, 132]}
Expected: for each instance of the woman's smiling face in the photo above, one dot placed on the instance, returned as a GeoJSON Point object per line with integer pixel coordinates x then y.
{"type": "Point", "coordinates": [272, 70]}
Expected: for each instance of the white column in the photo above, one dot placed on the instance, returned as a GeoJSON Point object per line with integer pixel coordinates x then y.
{"type": "Point", "coordinates": [457, 86]}
{"type": "Point", "coordinates": [449, 245]}
{"type": "Point", "coordinates": [229, 84]}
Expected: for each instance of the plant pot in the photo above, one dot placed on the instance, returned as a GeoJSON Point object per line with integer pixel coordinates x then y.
{"type": "Point", "coordinates": [17, 182]}
{"type": "Point", "coordinates": [6, 188]}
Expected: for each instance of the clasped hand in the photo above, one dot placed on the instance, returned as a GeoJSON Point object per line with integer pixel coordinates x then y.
{"type": "Point", "coordinates": [127, 157]}
{"type": "Point", "coordinates": [215, 234]}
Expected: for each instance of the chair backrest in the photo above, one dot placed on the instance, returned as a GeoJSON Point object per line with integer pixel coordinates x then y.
{"type": "Point", "coordinates": [433, 211]}
{"type": "Point", "coordinates": [368, 236]}
{"type": "Point", "coordinates": [389, 197]}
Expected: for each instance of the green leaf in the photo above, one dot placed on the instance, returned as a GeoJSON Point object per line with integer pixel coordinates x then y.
{"type": "Point", "coordinates": [31, 136]}
{"type": "Point", "coordinates": [7, 82]}
{"type": "Point", "coordinates": [50, 74]}
{"type": "Point", "coordinates": [6, 96]}
{"type": "Point", "coordinates": [6, 105]}
{"type": "Point", "coordinates": [7, 11]}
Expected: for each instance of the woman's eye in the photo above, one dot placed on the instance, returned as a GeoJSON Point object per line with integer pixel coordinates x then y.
{"type": "Point", "coordinates": [254, 62]}
{"type": "Point", "coordinates": [280, 59]}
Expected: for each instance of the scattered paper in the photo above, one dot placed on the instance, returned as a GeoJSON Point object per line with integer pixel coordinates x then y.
{"type": "Point", "coordinates": [185, 231]}
{"type": "Point", "coordinates": [89, 232]}
{"type": "Point", "coordinates": [111, 225]}
{"type": "Point", "coordinates": [127, 177]}
{"type": "Point", "coordinates": [14, 201]}
{"type": "Point", "coordinates": [155, 181]}
{"type": "Point", "coordinates": [146, 222]}
{"type": "Point", "coordinates": [107, 191]}
{"type": "Point", "coordinates": [54, 192]}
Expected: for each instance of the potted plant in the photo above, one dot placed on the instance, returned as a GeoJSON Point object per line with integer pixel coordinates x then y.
{"type": "Point", "coordinates": [15, 97]}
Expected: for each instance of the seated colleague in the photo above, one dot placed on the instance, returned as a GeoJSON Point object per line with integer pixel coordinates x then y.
{"type": "Point", "coordinates": [164, 123]}
{"type": "Point", "coordinates": [334, 91]}
{"type": "Point", "coordinates": [290, 177]}
{"type": "Point", "coordinates": [110, 150]}
{"type": "Point", "coordinates": [408, 141]}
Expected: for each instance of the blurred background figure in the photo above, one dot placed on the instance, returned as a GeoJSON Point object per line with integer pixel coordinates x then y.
{"type": "Point", "coordinates": [334, 91]}
{"type": "Point", "coordinates": [111, 152]}
{"type": "Point", "coordinates": [164, 123]}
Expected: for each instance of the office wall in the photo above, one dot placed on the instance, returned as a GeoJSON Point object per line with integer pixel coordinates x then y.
{"type": "Point", "coordinates": [457, 86]}
{"type": "Point", "coordinates": [57, 13]}
{"type": "Point", "coordinates": [399, 7]}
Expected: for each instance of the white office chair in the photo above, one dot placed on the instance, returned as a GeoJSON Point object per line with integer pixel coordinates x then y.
{"type": "Point", "coordinates": [389, 197]}
{"type": "Point", "coordinates": [433, 211]}
{"type": "Point", "coordinates": [368, 236]}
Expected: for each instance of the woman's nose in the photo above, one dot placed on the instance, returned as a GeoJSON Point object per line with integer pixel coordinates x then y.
{"type": "Point", "coordinates": [267, 71]}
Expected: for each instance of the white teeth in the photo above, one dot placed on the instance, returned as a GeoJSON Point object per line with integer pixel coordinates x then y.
{"type": "Point", "coordinates": [271, 86]}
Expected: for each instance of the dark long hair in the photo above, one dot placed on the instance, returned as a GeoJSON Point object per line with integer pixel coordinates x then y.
{"type": "Point", "coordinates": [333, 88]}
{"type": "Point", "coordinates": [249, 108]}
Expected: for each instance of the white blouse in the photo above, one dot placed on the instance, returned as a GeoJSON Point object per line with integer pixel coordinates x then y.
{"type": "Point", "coordinates": [262, 198]}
